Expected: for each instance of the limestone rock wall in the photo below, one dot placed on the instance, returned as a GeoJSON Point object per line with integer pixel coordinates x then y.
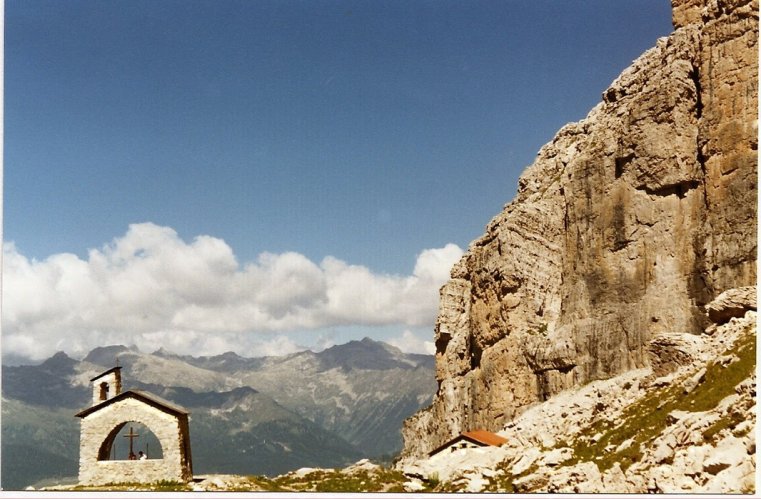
{"type": "Point", "coordinates": [626, 225]}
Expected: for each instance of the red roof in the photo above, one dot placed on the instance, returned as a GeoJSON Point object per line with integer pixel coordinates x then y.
{"type": "Point", "coordinates": [485, 437]}
{"type": "Point", "coordinates": [478, 437]}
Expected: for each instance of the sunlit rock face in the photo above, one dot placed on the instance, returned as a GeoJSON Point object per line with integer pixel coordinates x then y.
{"type": "Point", "coordinates": [627, 224]}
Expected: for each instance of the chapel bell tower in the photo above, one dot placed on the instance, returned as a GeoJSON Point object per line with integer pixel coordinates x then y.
{"type": "Point", "coordinates": [106, 385]}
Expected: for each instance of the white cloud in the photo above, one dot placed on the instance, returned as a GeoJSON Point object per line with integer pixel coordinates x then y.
{"type": "Point", "coordinates": [435, 264]}
{"type": "Point", "coordinates": [151, 287]}
{"type": "Point", "coordinates": [199, 343]}
{"type": "Point", "coordinates": [323, 342]}
{"type": "Point", "coordinates": [411, 343]}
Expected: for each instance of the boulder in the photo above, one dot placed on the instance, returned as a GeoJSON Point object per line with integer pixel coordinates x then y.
{"type": "Point", "coordinates": [668, 352]}
{"type": "Point", "coordinates": [729, 453]}
{"type": "Point", "coordinates": [738, 479]}
{"type": "Point", "coordinates": [557, 456]}
{"type": "Point", "coordinates": [732, 303]}
{"type": "Point", "coordinates": [663, 452]}
{"type": "Point", "coordinates": [614, 481]}
{"type": "Point", "coordinates": [413, 486]}
{"type": "Point", "coordinates": [584, 478]}
{"type": "Point", "coordinates": [530, 457]}
{"type": "Point", "coordinates": [360, 466]}
{"type": "Point", "coordinates": [534, 482]}
{"type": "Point", "coordinates": [694, 380]}
{"type": "Point", "coordinates": [694, 458]}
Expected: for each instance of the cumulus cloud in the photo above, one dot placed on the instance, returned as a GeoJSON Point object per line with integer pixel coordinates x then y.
{"type": "Point", "coordinates": [151, 286]}
{"type": "Point", "coordinates": [411, 343]}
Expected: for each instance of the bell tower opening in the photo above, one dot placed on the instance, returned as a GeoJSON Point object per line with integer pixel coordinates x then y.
{"type": "Point", "coordinates": [106, 385]}
{"type": "Point", "coordinates": [103, 391]}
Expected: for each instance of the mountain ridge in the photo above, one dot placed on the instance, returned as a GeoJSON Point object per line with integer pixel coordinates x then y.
{"type": "Point", "coordinates": [241, 422]}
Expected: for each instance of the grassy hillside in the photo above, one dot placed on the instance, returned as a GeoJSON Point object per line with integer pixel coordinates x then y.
{"type": "Point", "coordinates": [37, 443]}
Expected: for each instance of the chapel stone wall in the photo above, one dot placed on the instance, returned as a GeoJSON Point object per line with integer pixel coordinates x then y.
{"type": "Point", "coordinates": [169, 429]}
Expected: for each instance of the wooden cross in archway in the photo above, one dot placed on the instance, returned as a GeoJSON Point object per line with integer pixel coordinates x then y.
{"type": "Point", "coordinates": [131, 435]}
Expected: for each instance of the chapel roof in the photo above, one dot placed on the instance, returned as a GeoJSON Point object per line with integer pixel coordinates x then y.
{"type": "Point", "coordinates": [143, 396]}
{"type": "Point", "coordinates": [113, 369]}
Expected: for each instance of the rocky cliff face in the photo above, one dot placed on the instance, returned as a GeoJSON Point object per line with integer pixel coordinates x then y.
{"type": "Point", "coordinates": [626, 225]}
{"type": "Point", "coordinates": [683, 425]}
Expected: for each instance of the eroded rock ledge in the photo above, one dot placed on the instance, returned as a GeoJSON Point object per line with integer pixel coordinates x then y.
{"type": "Point", "coordinates": [624, 228]}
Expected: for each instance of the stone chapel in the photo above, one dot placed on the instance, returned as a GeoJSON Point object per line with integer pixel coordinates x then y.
{"type": "Point", "coordinates": [111, 411]}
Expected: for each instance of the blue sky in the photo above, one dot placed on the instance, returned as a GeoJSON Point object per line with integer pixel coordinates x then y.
{"type": "Point", "coordinates": [358, 132]}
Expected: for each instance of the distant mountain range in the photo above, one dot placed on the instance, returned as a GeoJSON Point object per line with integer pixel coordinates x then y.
{"type": "Point", "coordinates": [260, 416]}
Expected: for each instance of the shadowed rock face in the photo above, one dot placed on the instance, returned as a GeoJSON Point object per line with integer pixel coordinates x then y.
{"type": "Point", "coordinates": [626, 225]}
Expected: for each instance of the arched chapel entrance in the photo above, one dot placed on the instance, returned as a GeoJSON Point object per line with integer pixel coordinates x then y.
{"type": "Point", "coordinates": [130, 440]}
